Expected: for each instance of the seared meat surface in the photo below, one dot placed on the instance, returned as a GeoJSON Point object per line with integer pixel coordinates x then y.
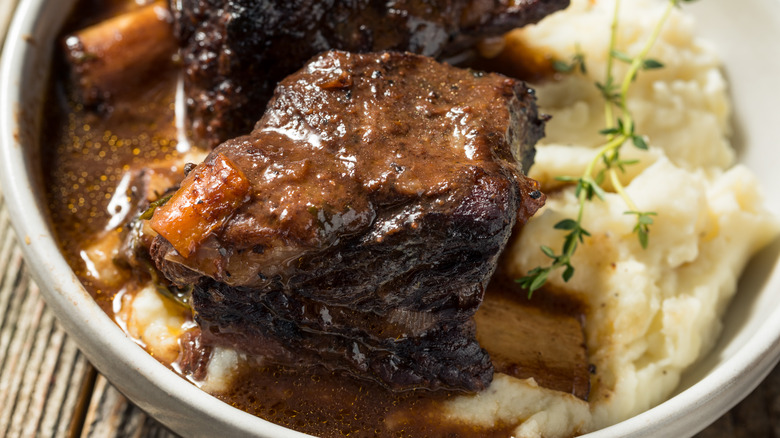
{"type": "Point", "coordinates": [399, 348]}
{"type": "Point", "coordinates": [358, 224]}
{"type": "Point", "coordinates": [235, 51]}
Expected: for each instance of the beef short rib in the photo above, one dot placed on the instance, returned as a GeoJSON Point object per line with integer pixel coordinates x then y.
{"type": "Point", "coordinates": [358, 224]}
{"type": "Point", "coordinates": [235, 51]}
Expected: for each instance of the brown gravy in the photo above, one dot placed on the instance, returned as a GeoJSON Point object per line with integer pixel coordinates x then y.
{"type": "Point", "coordinates": [87, 152]}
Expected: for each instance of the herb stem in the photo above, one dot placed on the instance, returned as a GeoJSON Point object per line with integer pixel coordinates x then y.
{"type": "Point", "coordinates": [621, 190]}
{"type": "Point", "coordinates": [611, 145]}
{"type": "Point", "coordinates": [638, 62]}
{"type": "Point", "coordinates": [619, 130]}
{"type": "Point", "coordinates": [609, 115]}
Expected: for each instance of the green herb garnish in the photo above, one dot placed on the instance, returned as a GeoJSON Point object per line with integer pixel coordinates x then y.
{"type": "Point", "coordinates": [149, 212]}
{"type": "Point", "coordinates": [178, 295]}
{"type": "Point", "coordinates": [577, 62]}
{"type": "Point", "coordinates": [619, 131]}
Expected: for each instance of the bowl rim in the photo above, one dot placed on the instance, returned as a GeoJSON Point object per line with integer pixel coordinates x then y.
{"type": "Point", "coordinates": [174, 401]}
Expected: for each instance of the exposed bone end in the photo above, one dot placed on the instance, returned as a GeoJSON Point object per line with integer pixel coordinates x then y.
{"type": "Point", "coordinates": [113, 56]}
{"type": "Point", "coordinates": [526, 339]}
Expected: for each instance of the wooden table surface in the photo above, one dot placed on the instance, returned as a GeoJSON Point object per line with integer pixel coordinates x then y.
{"type": "Point", "coordinates": [48, 388]}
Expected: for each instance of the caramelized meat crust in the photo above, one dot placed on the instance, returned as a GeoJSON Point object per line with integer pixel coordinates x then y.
{"type": "Point", "coordinates": [235, 51]}
{"type": "Point", "coordinates": [381, 189]}
{"type": "Point", "coordinates": [398, 348]}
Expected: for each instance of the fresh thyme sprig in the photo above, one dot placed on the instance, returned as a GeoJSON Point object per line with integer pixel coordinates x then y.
{"type": "Point", "coordinates": [577, 62]}
{"type": "Point", "coordinates": [619, 131]}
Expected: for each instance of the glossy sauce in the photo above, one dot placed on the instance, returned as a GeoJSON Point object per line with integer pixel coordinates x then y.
{"type": "Point", "coordinates": [88, 154]}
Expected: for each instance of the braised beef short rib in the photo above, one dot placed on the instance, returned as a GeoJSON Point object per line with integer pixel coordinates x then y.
{"type": "Point", "coordinates": [357, 225]}
{"type": "Point", "coordinates": [235, 51]}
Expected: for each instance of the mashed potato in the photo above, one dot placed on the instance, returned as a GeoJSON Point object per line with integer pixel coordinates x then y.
{"type": "Point", "coordinates": [155, 321]}
{"type": "Point", "coordinates": [651, 312]}
{"type": "Point", "coordinates": [683, 107]}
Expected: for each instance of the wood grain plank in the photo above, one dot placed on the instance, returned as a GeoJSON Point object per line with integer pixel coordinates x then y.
{"type": "Point", "coordinates": [112, 415]}
{"type": "Point", "coordinates": [9, 304]}
{"type": "Point", "coordinates": [26, 310]}
{"type": "Point", "coordinates": [6, 235]}
{"type": "Point", "coordinates": [26, 414]}
{"type": "Point", "coordinates": [65, 371]}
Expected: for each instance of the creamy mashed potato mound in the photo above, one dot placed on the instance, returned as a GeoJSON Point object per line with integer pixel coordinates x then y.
{"type": "Point", "coordinates": [155, 321]}
{"type": "Point", "coordinates": [158, 323]}
{"type": "Point", "coordinates": [651, 312]}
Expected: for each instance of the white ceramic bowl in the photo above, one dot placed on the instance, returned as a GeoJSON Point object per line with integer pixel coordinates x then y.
{"type": "Point", "coordinates": [747, 34]}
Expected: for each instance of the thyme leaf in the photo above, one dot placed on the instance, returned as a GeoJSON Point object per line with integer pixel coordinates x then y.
{"type": "Point", "coordinates": [147, 214]}
{"type": "Point", "coordinates": [642, 227]}
{"type": "Point", "coordinates": [651, 64]}
{"type": "Point", "coordinates": [577, 62]}
{"type": "Point", "coordinates": [181, 296]}
{"type": "Point", "coordinates": [619, 130]}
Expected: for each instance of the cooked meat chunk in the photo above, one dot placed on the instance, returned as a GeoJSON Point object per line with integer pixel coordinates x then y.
{"type": "Point", "coordinates": [399, 348]}
{"type": "Point", "coordinates": [358, 224]}
{"type": "Point", "coordinates": [235, 51]}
